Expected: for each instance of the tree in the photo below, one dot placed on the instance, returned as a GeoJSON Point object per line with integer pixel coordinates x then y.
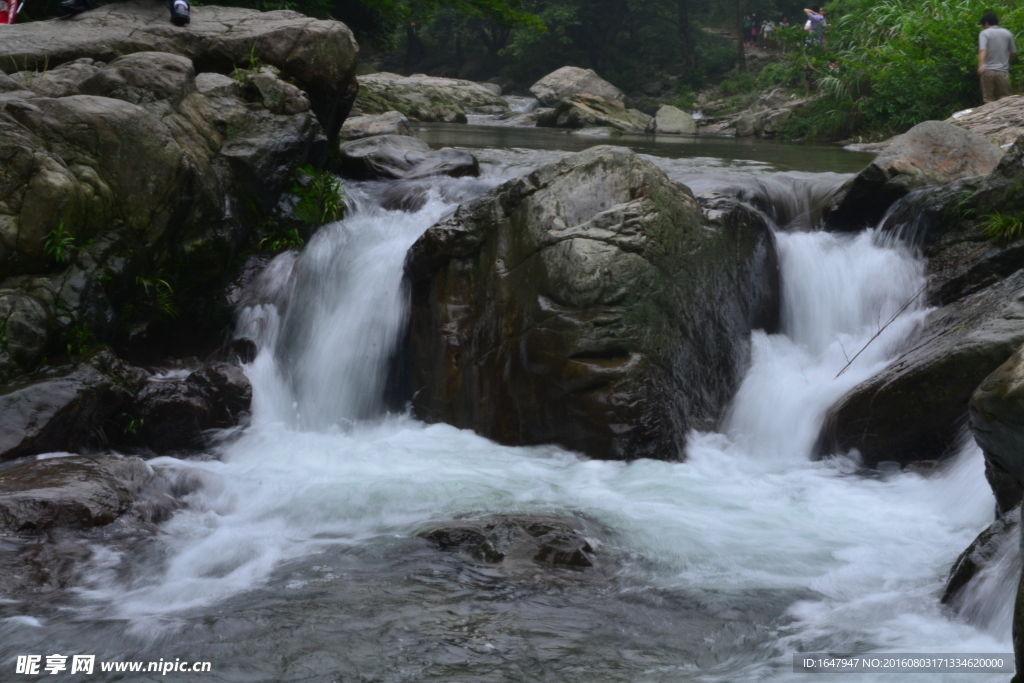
{"type": "Point", "coordinates": [685, 36]}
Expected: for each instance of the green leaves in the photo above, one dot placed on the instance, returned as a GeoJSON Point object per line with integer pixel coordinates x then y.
{"type": "Point", "coordinates": [321, 197]}
{"type": "Point", "coordinates": [900, 62]}
{"type": "Point", "coordinates": [59, 244]}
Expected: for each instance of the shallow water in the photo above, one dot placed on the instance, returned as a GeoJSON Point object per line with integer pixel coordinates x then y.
{"type": "Point", "coordinates": [298, 557]}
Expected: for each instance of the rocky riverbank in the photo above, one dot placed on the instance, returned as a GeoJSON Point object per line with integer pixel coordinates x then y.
{"type": "Point", "coordinates": [142, 165]}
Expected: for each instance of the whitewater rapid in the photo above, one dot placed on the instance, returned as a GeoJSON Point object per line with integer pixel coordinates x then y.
{"type": "Point", "coordinates": [765, 551]}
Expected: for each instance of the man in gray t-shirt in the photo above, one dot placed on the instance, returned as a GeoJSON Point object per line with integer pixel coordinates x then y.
{"type": "Point", "coordinates": [995, 49]}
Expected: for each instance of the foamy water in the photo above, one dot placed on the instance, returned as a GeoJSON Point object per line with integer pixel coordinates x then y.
{"type": "Point", "coordinates": [845, 562]}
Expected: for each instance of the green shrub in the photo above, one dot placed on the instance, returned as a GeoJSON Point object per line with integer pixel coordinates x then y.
{"type": "Point", "coordinates": [887, 66]}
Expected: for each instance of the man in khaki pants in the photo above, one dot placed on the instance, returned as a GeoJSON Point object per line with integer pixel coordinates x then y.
{"type": "Point", "coordinates": [995, 49]}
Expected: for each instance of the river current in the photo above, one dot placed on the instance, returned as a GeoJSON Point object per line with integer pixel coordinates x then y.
{"type": "Point", "coordinates": [297, 556]}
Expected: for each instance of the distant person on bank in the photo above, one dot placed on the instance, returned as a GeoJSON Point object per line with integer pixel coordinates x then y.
{"type": "Point", "coordinates": [816, 23]}
{"type": "Point", "coordinates": [179, 9]}
{"type": "Point", "coordinates": [995, 50]}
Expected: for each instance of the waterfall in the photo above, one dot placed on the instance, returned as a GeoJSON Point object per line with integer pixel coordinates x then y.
{"type": "Point", "coordinates": [735, 559]}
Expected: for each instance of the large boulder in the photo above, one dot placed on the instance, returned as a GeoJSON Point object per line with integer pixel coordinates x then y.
{"type": "Point", "coordinates": [143, 174]}
{"type": "Point", "coordinates": [915, 408]}
{"type": "Point", "coordinates": [173, 414]}
{"type": "Point", "coordinates": [400, 157]}
{"type": "Point", "coordinates": [997, 422]}
{"type": "Point", "coordinates": [589, 304]}
{"type": "Point", "coordinates": [65, 409]}
{"type": "Point", "coordinates": [107, 403]}
{"type": "Point", "coordinates": [1001, 122]}
{"type": "Point", "coordinates": [40, 495]}
{"type": "Point", "coordinates": [572, 80]}
{"type": "Point", "coordinates": [388, 123]}
{"type": "Point", "coordinates": [317, 56]}
{"type": "Point", "coordinates": [929, 154]}
{"type": "Point", "coordinates": [590, 111]}
{"type": "Point", "coordinates": [426, 98]}
{"type": "Point", "coordinates": [673, 121]}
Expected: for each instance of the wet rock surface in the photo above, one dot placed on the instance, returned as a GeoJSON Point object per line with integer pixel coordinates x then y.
{"type": "Point", "coordinates": [152, 186]}
{"type": "Point", "coordinates": [317, 56]}
{"type": "Point", "coordinates": [53, 511]}
{"type": "Point", "coordinates": [991, 546]}
{"type": "Point", "coordinates": [551, 542]}
{"type": "Point", "coordinates": [574, 306]}
{"type": "Point", "coordinates": [400, 157]}
{"type": "Point", "coordinates": [997, 422]}
{"type": "Point", "coordinates": [64, 409]}
{"type": "Point", "coordinates": [929, 154]}
{"type": "Point", "coordinates": [916, 408]}
{"type": "Point", "coordinates": [175, 413]}
{"type": "Point", "coordinates": [107, 403]}
{"type": "Point", "coordinates": [426, 98]}
{"type": "Point", "coordinates": [39, 495]}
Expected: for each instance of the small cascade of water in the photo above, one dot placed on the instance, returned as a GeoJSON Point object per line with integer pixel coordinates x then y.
{"type": "Point", "coordinates": [742, 555]}
{"type": "Point", "coordinates": [838, 290]}
{"type": "Point", "coordinates": [522, 105]}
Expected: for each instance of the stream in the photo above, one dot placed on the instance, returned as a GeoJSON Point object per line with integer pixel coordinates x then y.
{"type": "Point", "coordinates": [297, 556]}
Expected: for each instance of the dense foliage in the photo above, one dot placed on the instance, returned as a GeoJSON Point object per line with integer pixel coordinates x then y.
{"type": "Point", "coordinates": [889, 65]}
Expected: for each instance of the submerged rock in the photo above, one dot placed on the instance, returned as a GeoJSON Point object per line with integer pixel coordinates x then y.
{"type": "Point", "coordinates": [551, 542]}
{"type": "Point", "coordinates": [570, 81]}
{"type": "Point", "coordinates": [929, 154]}
{"type": "Point", "coordinates": [588, 304]}
{"type": "Point", "coordinates": [426, 98]}
{"type": "Point", "coordinates": [400, 157]}
{"type": "Point", "coordinates": [590, 111]}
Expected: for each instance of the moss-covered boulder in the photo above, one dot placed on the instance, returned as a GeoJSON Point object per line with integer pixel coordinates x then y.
{"type": "Point", "coordinates": [590, 304]}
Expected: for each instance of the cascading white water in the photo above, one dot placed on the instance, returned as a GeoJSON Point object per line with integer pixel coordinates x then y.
{"type": "Point", "coordinates": [854, 562]}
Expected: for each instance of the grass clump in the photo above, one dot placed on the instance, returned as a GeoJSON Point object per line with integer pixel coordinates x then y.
{"type": "Point", "coordinates": [1001, 227]}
